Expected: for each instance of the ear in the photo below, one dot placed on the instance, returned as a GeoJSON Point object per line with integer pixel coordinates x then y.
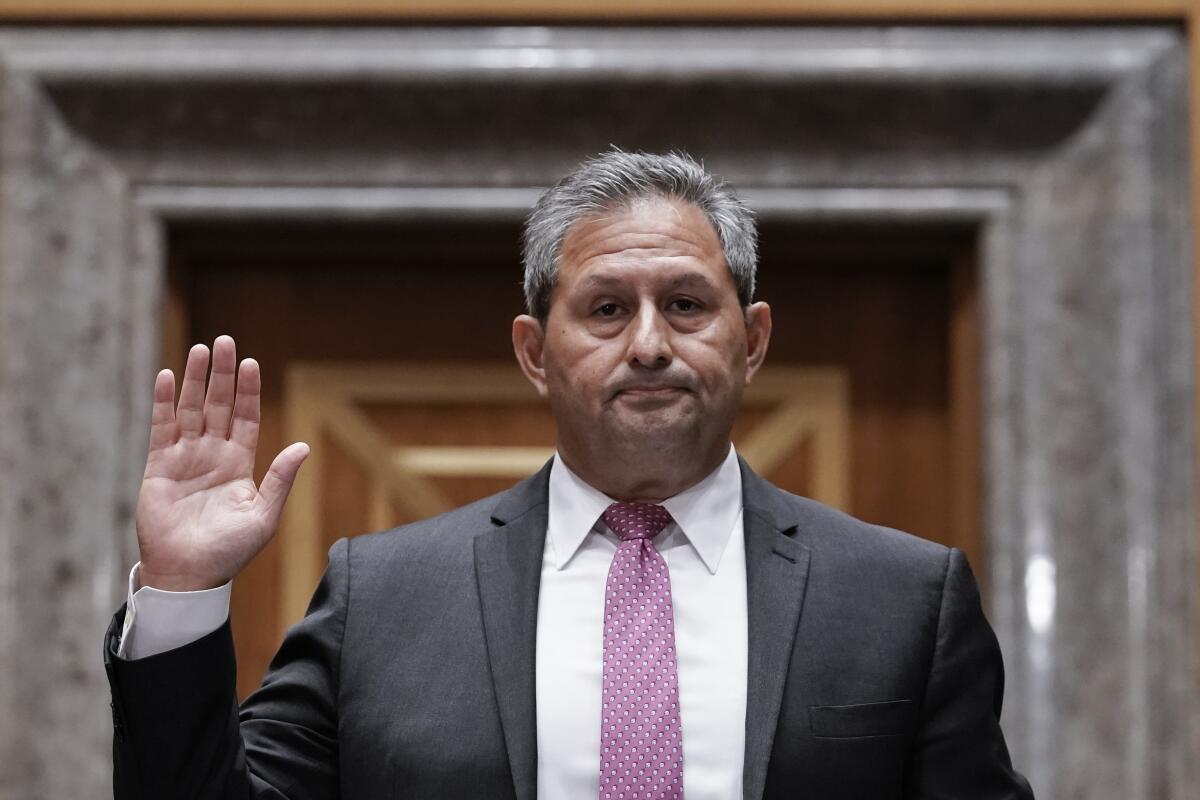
{"type": "Point", "coordinates": [758, 336]}
{"type": "Point", "coordinates": [528, 340]}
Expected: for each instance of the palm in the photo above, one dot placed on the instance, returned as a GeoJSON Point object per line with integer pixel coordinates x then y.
{"type": "Point", "coordinates": [203, 497]}
{"type": "Point", "coordinates": [200, 517]}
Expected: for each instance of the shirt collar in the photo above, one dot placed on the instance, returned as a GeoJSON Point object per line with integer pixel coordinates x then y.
{"type": "Point", "coordinates": [706, 513]}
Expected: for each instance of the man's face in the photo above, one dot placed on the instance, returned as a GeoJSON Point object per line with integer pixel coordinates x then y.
{"type": "Point", "coordinates": [646, 346]}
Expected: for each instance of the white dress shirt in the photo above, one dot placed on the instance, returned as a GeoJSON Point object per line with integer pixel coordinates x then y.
{"type": "Point", "coordinates": [705, 553]}
{"type": "Point", "coordinates": [706, 556]}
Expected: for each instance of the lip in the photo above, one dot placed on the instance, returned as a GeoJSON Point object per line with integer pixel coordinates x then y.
{"type": "Point", "coordinates": [650, 391]}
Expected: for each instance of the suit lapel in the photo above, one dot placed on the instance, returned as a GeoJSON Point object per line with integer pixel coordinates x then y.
{"type": "Point", "coordinates": [508, 561]}
{"type": "Point", "coordinates": [776, 575]}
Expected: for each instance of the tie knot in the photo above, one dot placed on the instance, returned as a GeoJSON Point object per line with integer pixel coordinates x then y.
{"type": "Point", "coordinates": [636, 520]}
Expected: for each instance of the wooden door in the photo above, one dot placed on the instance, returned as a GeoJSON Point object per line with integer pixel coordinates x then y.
{"type": "Point", "coordinates": [388, 350]}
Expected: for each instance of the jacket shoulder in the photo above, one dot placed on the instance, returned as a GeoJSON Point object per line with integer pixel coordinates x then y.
{"type": "Point", "coordinates": [455, 530]}
{"type": "Point", "coordinates": [451, 529]}
{"type": "Point", "coordinates": [840, 538]}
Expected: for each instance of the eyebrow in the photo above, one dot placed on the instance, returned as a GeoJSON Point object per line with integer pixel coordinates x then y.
{"type": "Point", "coordinates": [682, 281]}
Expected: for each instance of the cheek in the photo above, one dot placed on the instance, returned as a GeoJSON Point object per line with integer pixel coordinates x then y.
{"type": "Point", "coordinates": [719, 358]}
{"type": "Point", "coordinates": [579, 363]}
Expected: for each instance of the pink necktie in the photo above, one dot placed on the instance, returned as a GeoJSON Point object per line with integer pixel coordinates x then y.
{"type": "Point", "coordinates": [641, 742]}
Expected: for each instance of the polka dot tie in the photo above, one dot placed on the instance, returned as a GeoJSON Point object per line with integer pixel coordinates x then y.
{"type": "Point", "coordinates": [641, 742]}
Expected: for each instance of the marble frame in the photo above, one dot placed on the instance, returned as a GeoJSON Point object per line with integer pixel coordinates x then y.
{"type": "Point", "coordinates": [1065, 146]}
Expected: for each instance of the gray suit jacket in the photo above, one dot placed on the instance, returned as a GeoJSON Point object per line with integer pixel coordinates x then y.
{"type": "Point", "coordinates": [872, 671]}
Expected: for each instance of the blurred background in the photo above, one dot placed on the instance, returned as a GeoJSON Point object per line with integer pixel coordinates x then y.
{"type": "Point", "coordinates": [976, 237]}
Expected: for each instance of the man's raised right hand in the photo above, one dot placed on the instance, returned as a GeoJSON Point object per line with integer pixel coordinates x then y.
{"type": "Point", "coordinates": [200, 518]}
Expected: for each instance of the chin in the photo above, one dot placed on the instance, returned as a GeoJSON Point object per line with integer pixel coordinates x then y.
{"type": "Point", "coordinates": [661, 432]}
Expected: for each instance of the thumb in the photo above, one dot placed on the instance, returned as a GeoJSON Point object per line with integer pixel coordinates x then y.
{"type": "Point", "coordinates": [277, 483]}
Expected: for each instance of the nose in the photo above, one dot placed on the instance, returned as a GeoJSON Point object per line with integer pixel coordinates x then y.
{"type": "Point", "coordinates": [650, 337]}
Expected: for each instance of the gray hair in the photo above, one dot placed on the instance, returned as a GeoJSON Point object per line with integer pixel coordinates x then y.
{"type": "Point", "coordinates": [616, 178]}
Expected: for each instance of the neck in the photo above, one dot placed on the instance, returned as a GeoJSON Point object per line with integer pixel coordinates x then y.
{"type": "Point", "coordinates": [644, 477]}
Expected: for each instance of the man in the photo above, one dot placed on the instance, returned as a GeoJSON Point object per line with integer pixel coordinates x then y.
{"type": "Point", "coordinates": [643, 618]}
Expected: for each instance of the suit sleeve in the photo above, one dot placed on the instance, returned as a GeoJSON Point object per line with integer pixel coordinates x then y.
{"type": "Point", "coordinates": [959, 748]}
{"type": "Point", "coordinates": [178, 731]}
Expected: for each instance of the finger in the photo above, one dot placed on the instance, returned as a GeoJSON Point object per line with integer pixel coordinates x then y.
{"type": "Point", "coordinates": [246, 408]}
{"type": "Point", "coordinates": [190, 414]}
{"type": "Point", "coordinates": [163, 430]}
{"type": "Point", "coordinates": [218, 404]}
{"type": "Point", "coordinates": [277, 483]}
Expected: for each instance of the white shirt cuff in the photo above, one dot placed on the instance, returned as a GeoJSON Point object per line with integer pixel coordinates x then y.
{"type": "Point", "coordinates": [157, 621]}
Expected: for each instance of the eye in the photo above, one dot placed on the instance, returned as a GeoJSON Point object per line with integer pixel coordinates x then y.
{"type": "Point", "coordinates": [608, 310]}
{"type": "Point", "coordinates": [684, 304]}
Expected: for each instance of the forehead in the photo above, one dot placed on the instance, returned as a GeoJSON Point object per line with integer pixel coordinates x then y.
{"type": "Point", "coordinates": [647, 231]}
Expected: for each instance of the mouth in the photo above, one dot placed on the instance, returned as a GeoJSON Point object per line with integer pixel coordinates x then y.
{"type": "Point", "coordinates": [650, 392]}
{"type": "Point", "coordinates": [652, 389]}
